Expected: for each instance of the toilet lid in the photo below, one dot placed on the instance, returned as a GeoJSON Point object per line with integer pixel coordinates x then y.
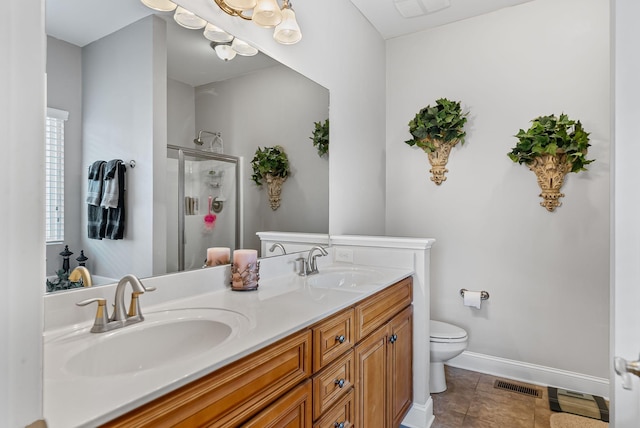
{"type": "Point", "coordinates": [443, 331]}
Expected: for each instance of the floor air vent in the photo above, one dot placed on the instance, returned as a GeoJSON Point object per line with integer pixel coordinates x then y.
{"type": "Point", "coordinates": [520, 389]}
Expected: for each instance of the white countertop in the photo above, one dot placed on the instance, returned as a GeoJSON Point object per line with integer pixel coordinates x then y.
{"type": "Point", "coordinates": [281, 306]}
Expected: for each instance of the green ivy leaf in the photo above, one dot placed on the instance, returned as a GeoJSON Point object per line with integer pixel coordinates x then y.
{"type": "Point", "coordinates": [553, 135]}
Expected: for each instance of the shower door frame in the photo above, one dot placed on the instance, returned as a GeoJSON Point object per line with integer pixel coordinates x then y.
{"type": "Point", "coordinates": [237, 161]}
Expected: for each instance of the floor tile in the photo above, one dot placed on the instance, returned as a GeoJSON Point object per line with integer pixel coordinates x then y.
{"type": "Point", "coordinates": [498, 421]}
{"type": "Point", "coordinates": [472, 401]}
{"type": "Point", "coordinates": [452, 401]}
{"type": "Point", "coordinates": [542, 417]}
{"type": "Point", "coordinates": [448, 420]}
{"type": "Point", "coordinates": [494, 407]}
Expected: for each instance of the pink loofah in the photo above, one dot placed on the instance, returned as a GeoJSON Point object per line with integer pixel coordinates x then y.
{"type": "Point", "coordinates": [209, 219]}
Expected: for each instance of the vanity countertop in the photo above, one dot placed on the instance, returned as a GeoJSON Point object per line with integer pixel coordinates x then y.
{"type": "Point", "coordinates": [281, 306]}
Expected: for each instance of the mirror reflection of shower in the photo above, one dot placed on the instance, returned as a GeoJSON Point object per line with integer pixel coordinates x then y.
{"type": "Point", "coordinates": [207, 211]}
{"type": "Point", "coordinates": [215, 144]}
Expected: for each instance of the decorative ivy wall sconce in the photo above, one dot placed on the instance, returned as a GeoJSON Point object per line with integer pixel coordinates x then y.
{"type": "Point", "coordinates": [436, 130]}
{"type": "Point", "coordinates": [551, 148]}
{"type": "Point", "coordinates": [271, 165]}
{"type": "Point", "coordinates": [320, 137]}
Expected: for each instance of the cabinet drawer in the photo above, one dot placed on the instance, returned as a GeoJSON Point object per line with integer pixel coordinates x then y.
{"type": "Point", "coordinates": [293, 410]}
{"type": "Point", "coordinates": [343, 412]}
{"type": "Point", "coordinates": [332, 383]}
{"type": "Point", "coordinates": [231, 394]}
{"type": "Point", "coordinates": [379, 308]}
{"type": "Point", "coordinates": [332, 338]}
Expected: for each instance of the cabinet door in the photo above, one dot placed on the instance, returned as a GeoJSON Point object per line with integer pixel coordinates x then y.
{"type": "Point", "coordinates": [371, 381]}
{"type": "Point", "coordinates": [293, 410]}
{"type": "Point", "coordinates": [399, 360]}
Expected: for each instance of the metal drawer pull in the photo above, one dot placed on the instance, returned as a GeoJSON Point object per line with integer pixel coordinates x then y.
{"type": "Point", "coordinates": [393, 338]}
{"type": "Point", "coordinates": [339, 382]}
{"type": "Point", "coordinates": [341, 338]}
{"type": "Point", "coordinates": [339, 425]}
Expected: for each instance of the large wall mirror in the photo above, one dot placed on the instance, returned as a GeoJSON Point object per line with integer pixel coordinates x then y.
{"type": "Point", "coordinates": [133, 82]}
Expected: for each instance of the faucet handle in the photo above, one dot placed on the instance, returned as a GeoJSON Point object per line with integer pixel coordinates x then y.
{"type": "Point", "coordinates": [134, 305]}
{"type": "Point", "coordinates": [148, 288]}
{"type": "Point", "coordinates": [101, 320]}
{"type": "Point", "coordinates": [301, 266]}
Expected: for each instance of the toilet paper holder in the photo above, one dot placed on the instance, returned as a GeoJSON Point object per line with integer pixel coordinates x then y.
{"type": "Point", "coordinates": [484, 295]}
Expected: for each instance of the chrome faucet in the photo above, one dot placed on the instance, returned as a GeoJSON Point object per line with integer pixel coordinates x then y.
{"type": "Point", "coordinates": [277, 245]}
{"type": "Point", "coordinates": [310, 265]}
{"type": "Point", "coordinates": [120, 317]}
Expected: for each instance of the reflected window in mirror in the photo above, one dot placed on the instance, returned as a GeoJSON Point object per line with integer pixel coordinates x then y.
{"type": "Point", "coordinates": [54, 170]}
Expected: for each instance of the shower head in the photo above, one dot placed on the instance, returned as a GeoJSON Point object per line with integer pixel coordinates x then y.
{"type": "Point", "coordinates": [198, 141]}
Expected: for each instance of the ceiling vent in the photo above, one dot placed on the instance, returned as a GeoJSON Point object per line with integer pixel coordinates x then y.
{"type": "Point", "coordinates": [413, 8]}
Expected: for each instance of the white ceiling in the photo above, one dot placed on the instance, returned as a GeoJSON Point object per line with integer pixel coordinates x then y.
{"type": "Point", "coordinates": [384, 16]}
{"type": "Point", "coordinates": [190, 58]}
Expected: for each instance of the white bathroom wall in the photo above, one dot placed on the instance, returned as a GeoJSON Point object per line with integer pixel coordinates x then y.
{"type": "Point", "coordinates": [22, 109]}
{"type": "Point", "coordinates": [181, 114]}
{"type": "Point", "coordinates": [547, 273]}
{"type": "Point", "coordinates": [64, 92]}
{"type": "Point", "coordinates": [250, 111]}
{"type": "Point", "coordinates": [125, 118]}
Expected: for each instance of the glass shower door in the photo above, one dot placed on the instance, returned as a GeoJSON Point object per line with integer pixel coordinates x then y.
{"type": "Point", "coordinates": [208, 209]}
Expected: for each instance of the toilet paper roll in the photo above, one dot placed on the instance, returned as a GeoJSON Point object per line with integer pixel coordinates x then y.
{"type": "Point", "coordinates": [472, 298]}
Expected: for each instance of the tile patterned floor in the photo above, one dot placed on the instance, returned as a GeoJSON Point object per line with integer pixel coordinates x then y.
{"type": "Point", "coordinates": [471, 401]}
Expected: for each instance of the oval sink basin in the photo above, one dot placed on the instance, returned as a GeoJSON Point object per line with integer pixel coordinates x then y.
{"type": "Point", "coordinates": [348, 279]}
{"type": "Point", "coordinates": [162, 338]}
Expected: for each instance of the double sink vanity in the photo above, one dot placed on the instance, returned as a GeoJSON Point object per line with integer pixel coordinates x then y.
{"type": "Point", "coordinates": [332, 349]}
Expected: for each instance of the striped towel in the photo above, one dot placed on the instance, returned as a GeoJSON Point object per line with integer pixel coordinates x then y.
{"type": "Point", "coordinates": [94, 190]}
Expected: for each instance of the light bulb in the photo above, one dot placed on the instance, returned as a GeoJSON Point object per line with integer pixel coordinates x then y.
{"type": "Point", "coordinates": [160, 5]}
{"type": "Point", "coordinates": [216, 34]}
{"type": "Point", "coordinates": [243, 48]}
{"type": "Point", "coordinates": [241, 4]}
{"type": "Point", "coordinates": [288, 31]}
{"type": "Point", "coordinates": [225, 52]}
{"type": "Point", "coordinates": [188, 19]}
{"type": "Point", "coordinates": [267, 13]}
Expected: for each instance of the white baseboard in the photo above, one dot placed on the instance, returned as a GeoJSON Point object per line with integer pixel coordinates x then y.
{"type": "Point", "coordinates": [531, 373]}
{"type": "Point", "coordinates": [419, 415]}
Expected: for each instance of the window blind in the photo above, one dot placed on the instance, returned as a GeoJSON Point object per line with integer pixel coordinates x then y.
{"type": "Point", "coordinates": [54, 170]}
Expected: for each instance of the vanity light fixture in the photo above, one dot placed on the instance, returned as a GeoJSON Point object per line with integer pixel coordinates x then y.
{"type": "Point", "coordinates": [160, 5]}
{"type": "Point", "coordinates": [268, 14]}
{"type": "Point", "coordinates": [216, 34]}
{"type": "Point", "coordinates": [225, 45]}
{"type": "Point", "coordinates": [227, 51]}
{"type": "Point", "coordinates": [188, 19]}
{"type": "Point", "coordinates": [288, 31]}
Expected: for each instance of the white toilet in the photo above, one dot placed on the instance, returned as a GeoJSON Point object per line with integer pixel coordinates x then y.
{"type": "Point", "coordinates": [446, 341]}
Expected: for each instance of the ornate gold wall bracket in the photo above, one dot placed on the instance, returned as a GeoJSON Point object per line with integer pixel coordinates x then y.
{"type": "Point", "coordinates": [274, 189]}
{"type": "Point", "coordinates": [438, 159]}
{"type": "Point", "coordinates": [550, 170]}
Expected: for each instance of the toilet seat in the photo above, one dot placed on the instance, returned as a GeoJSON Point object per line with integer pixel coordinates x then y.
{"type": "Point", "coordinates": [442, 332]}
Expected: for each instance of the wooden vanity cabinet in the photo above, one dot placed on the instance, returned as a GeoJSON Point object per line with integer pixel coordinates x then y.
{"type": "Point", "coordinates": [352, 369]}
{"type": "Point", "coordinates": [232, 394]}
{"type": "Point", "coordinates": [293, 410]}
{"type": "Point", "coordinates": [383, 359]}
{"type": "Point", "coordinates": [378, 363]}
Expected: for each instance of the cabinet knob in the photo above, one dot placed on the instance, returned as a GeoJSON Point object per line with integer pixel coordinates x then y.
{"type": "Point", "coordinates": [341, 338]}
{"type": "Point", "coordinates": [393, 338]}
{"type": "Point", "coordinates": [339, 382]}
{"type": "Point", "coordinates": [339, 425]}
